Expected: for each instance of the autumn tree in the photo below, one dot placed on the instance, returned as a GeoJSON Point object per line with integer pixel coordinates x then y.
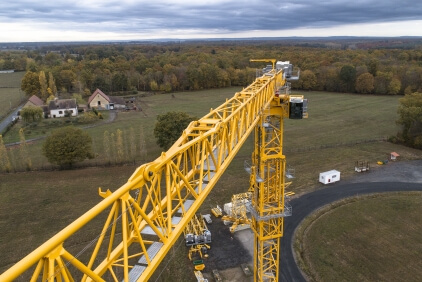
{"type": "Point", "coordinates": [113, 147]}
{"type": "Point", "coordinates": [410, 118]}
{"type": "Point", "coordinates": [119, 146]}
{"type": "Point", "coordinates": [31, 84]}
{"type": "Point", "coordinates": [308, 80]}
{"type": "Point", "coordinates": [120, 82]}
{"type": "Point", "coordinates": [52, 88]}
{"type": "Point", "coordinates": [373, 66]}
{"type": "Point", "coordinates": [394, 86]}
{"type": "Point", "coordinates": [43, 86]}
{"type": "Point", "coordinates": [132, 144]}
{"type": "Point", "coordinates": [67, 78]}
{"type": "Point", "coordinates": [31, 113]}
{"type": "Point", "coordinates": [78, 98]}
{"type": "Point", "coordinates": [169, 127]}
{"type": "Point", "coordinates": [67, 145]}
{"type": "Point", "coordinates": [365, 83]}
{"type": "Point", "coordinates": [348, 78]}
{"type": "Point", "coordinates": [107, 145]}
{"type": "Point", "coordinates": [153, 85]}
{"type": "Point", "coordinates": [382, 80]}
{"type": "Point", "coordinates": [142, 144]}
{"type": "Point", "coordinates": [23, 149]}
{"type": "Point", "coordinates": [4, 159]}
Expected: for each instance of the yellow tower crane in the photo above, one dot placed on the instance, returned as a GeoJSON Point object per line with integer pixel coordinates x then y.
{"type": "Point", "coordinates": [146, 216]}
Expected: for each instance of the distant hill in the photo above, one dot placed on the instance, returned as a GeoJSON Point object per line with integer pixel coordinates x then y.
{"type": "Point", "coordinates": [345, 41]}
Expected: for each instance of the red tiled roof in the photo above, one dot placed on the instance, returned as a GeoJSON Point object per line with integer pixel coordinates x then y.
{"type": "Point", "coordinates": [36, 101]}
{"type": "Point", "coordinates": [395, 154]}
{"type": "Point", "coordinates": [98, 91]}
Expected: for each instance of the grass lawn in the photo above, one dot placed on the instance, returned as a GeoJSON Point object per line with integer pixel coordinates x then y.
{"type": "Point", "coordinates": [10, 94]}
{"type": "Point", "coordinates": [336, 245]}
{"type": "Point", "coordinates": [341, 129]}
{"type": "Point", "coordinates": [45, 126]}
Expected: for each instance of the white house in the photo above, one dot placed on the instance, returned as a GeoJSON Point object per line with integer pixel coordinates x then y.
{"type": "Point", "coordinates": [63, 107]}
{"type": "Point", "coordinates": [329, 176]}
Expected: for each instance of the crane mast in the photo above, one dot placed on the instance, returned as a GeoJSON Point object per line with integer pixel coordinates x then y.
{"type": "Point", "coordinates": [267, 184]}
{"type": "Point", "coordinates": [145, 216]}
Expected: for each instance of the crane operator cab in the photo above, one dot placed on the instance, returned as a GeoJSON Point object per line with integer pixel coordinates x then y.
{"type": "Point", "coordinates": [298, 107]}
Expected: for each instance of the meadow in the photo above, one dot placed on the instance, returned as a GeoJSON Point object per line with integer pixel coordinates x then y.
{"type": "Point", "coordinates": [369, 238]}
{"type": "Point", "coordinates": [341, 129]}
{"type": "Point", "coordinates": [10, 94]}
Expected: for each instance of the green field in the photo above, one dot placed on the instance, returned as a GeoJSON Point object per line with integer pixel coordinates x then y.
{"type": "Point", "coordinates": [341, 129]}
{"type": "Point", "coordinates": [10, 94]}
{"type": "Point", "coordinates": [373, 238]}
{"type": "Point", "coordinates": [335, 120]}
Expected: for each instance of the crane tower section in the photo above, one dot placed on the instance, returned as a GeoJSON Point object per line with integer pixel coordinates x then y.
{"type": "Point", "coordinates": [268, 173]}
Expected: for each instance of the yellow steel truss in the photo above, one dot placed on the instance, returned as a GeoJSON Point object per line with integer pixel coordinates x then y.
{"type": "Point", "coordinates": [196, 226]}
{"type": "Point", "coordinates": [267, 186]}
{"type": "Point", "coordinates": [148, 213]}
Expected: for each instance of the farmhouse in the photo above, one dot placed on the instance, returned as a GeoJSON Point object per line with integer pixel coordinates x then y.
{"type": "Point", "coordinates": [34, 101]}
{"type": "Point", "coordinates": [102, 101]}
{"type": "Point", "coordinates": [63, 107]}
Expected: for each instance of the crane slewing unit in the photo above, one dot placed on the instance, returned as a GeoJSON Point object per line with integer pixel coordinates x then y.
{"type": "Point", "coordinates": [145, 216]}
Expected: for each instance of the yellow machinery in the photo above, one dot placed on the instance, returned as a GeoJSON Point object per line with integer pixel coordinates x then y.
{"type": "Point", "coordinates": [238, 211]}
{"type": "Point", "coordinates": [196, 232]}
{"type": "Point", "coordinates": [148, 213]}
{"type": "Point", "coordinates": [217, 211]}
{"type": "Point", "coordinates": [199, 250]}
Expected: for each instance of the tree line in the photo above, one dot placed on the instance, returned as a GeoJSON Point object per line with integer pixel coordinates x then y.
{"type": "Point", "coordinates": [171, 67]}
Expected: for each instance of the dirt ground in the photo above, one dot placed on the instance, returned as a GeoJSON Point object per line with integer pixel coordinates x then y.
{"type": "Point", "coordinates": [229, 251]}
{"type": "Point", "coordinates": [393, 171]}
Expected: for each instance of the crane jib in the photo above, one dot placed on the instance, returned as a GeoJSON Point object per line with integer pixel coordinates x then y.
{"type": "Point", "coordinates": [149, 212]}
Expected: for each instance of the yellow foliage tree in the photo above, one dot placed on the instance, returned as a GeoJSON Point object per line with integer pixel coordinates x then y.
{"type": "Point", "coordinates": [43, 84]}
{"type": "Point", "coordinates": [4, 159]}
{"type": "Point", "coordinates": [365, 83]}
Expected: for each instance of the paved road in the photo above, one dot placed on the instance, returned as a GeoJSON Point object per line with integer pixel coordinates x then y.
{"type": "Point", "coordinates": [7, 120]}
{"type": "Point", "coordinates": [308, 203]}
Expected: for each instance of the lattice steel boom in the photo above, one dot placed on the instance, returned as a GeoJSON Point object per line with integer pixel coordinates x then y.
{"type": "Point", "coordinates": [148, 213]}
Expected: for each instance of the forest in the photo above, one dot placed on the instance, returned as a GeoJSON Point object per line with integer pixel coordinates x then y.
{"type": "Point", "coordinates": [119, 69]}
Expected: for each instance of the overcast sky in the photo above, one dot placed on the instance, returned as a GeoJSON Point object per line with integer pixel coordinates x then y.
{"type": "Point", "coordinates": [90, 20]}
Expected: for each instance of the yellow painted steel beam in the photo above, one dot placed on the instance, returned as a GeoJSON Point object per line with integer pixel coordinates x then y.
{"type": "Point", "coordinates": [268, 163]}
{"type": "Point", "coordinates": [161, 197]}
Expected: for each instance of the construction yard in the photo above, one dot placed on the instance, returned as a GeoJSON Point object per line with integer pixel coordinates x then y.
{"type": "Point", "coordinates": [229, 252]}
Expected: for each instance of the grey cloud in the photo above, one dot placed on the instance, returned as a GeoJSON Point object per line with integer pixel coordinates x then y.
{"type": "Point", "coordinates": [230, 16]}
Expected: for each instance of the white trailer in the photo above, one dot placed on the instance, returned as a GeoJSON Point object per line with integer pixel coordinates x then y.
{"type": "Point", "coordinates": [329, 176]}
